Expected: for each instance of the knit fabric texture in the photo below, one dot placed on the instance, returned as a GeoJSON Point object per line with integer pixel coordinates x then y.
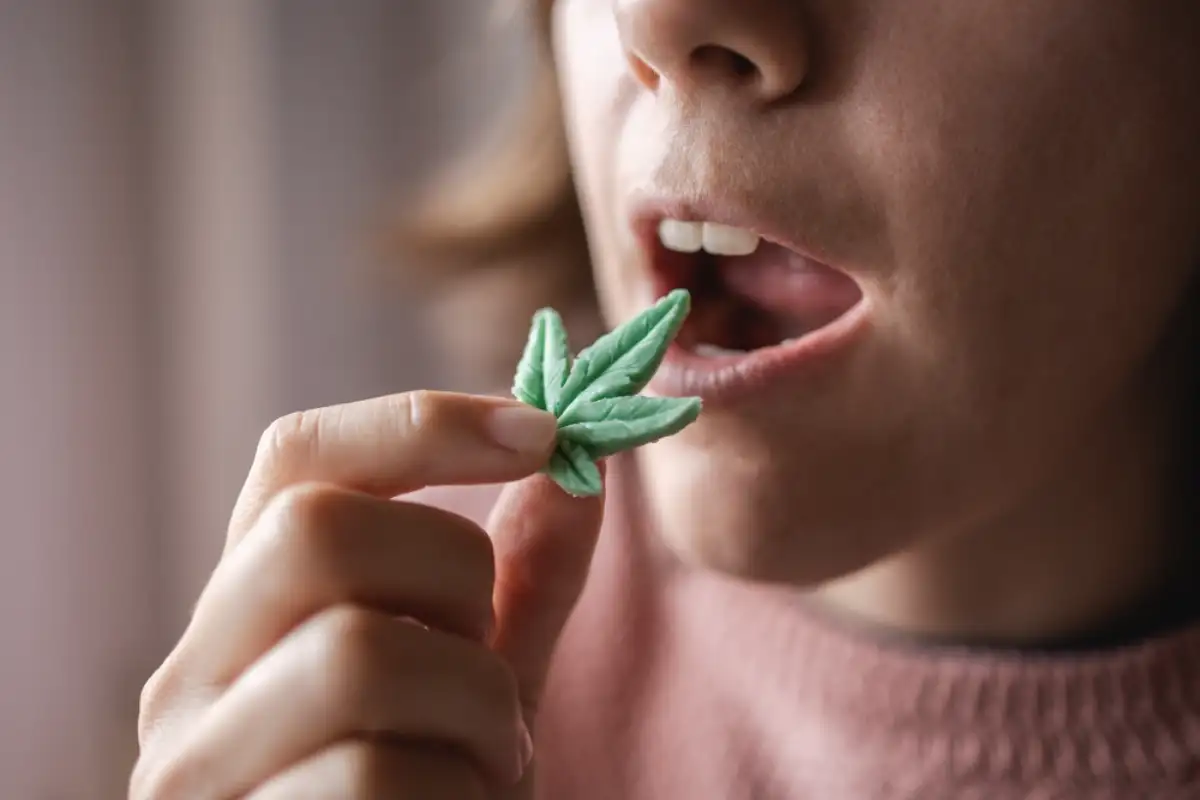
{"type": "Point", "coordinates": [676, 684]}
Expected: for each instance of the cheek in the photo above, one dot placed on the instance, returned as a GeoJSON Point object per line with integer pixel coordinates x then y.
{"type": "Point", "coordinates": [598, 97]}
{"type": "Point", "coordinates": [593, 83]}
{"type": "Point", "coordinates": [1028, 194]}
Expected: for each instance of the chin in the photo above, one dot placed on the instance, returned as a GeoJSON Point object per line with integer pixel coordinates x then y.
{"type": "Point", "coordinates": [729, 508]}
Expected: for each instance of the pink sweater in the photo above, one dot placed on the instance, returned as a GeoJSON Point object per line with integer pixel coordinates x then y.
{"type": "Point", "coordinates": [673, 684]}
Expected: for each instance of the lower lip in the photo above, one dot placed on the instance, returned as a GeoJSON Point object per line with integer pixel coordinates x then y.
{"type": "Point", "coordinates": [733, 379]}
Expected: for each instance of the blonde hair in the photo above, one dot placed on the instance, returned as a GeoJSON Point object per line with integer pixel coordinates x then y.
{"type": "Point", "coordinates": [501, 235]}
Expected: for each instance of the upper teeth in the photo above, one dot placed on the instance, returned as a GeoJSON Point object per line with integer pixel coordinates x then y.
{"type": "Point", "coordinates": [720, 240]}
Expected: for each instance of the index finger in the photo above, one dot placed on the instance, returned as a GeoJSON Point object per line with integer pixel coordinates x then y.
{"type": "Point", "coordinates": [396, 444]}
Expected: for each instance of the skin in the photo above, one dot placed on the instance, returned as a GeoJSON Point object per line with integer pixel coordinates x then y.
{"type": "Point", "coordinates": [1016, 189]}
{"type": "Point", "coordinates": [397, 650]}
{"type": "Point", "coordinates": [1014, 186]}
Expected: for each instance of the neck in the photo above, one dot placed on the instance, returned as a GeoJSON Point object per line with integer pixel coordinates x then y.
{"type": "Point", "coordinates": [1085, 559]}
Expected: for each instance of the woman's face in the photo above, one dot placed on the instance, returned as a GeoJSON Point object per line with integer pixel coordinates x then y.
{"type": "Point", "coordinates": [982, 215]}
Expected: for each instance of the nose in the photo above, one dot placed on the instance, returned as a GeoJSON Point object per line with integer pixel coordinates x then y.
{"type": "Point", "coordinates": [756, 48]}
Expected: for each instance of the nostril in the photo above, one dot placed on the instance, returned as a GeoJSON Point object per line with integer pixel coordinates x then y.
{"type": "Point", "coordinates": [751, 52]}
{"type": "Point", "coordinates": [717, 59]}
{"type": "Point", "coordinates": [743, 67]}
{"type": "Point", "coordinates": [642, 72]}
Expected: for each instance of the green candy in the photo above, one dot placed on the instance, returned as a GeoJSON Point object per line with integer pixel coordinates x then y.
{"type": "Point", "coordinates": [595, 397]}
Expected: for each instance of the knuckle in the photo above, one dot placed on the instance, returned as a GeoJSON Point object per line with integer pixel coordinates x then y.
{"type": "Point", "coordinates": [419, 414]}
{"type": "Point", "coordinates": [141, 779]}
{"type": "Point", "coordinates": [314, 531]}
{"type": "Point", "coordinates": [306, 518]}
{"type": "Point", "coordinates": [416, 408]}
{"type": "Point", "coordinates": [350, 634]}
{"type": "Point", "coordinates": [164, 779]}
{"type": "Point", "coordinates": [151, 702]}
{"type": "Point", "coordinates": [151, 786]}
{"type": "Point", "coordinates": [309, 510]}
{"type": "Point", "coordinates": [292, 437]}
{"type": "Point", "coordinates": [165, 696]}
{"type": "Point", "coordinates": [139, 782]}
{"type": "Point", "coordinates": [367, 771]}
{"type": "Point", "coordinates": [374, 771]}
{"type": "Point", "coordinates": [167, 706]}
{"type": "Point", "coordinates": [138, 789]}
{"type": "Point", "coordinates": [352, 640]}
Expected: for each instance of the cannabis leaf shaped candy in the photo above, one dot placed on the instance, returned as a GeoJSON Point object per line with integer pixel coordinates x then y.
{"type": "Point", "coordinates": [595, 397]}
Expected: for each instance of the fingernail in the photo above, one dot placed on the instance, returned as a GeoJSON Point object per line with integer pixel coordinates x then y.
{"type": "Point", "coordinates": [522, 429]}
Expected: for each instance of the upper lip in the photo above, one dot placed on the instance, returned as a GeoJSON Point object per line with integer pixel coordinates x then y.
{"type": "Point", "coordinates": [648, 212]}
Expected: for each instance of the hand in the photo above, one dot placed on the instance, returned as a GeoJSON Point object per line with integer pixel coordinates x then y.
{"type": "Point", "coordinates": [351, 645]}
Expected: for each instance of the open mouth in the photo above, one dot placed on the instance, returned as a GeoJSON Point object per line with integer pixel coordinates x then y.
{"type": "Point", "coordinates": [748, 294]}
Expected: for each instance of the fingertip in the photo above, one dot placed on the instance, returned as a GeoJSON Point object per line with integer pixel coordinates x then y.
{"type": "Point", "coordinates": [548, 489]}
{"type": "Point", "coordinates": [536, 507]}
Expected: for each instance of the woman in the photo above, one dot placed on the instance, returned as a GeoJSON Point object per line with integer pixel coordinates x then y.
{"type": "Point", "coordinates": [932, 536]}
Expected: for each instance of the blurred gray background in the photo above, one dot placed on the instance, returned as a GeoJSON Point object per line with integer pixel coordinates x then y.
{"type": "Point", "coordinates": [189, 196]}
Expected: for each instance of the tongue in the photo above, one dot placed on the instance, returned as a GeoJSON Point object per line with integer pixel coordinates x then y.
{"type": "Point", "coordinates": [798, 294]}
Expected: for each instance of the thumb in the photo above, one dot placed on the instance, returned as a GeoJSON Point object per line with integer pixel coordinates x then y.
{"type": "Point", "coordinates": [544, 540]}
